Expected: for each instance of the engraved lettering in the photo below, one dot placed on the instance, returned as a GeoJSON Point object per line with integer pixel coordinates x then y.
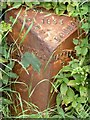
{"type": "Point", "coordinates": [73, 24]}
{"type": "Point", "coordinates": [37, 27]}
{"type": "Point", "coordinates": [48, 21]}
{"type": "Point", "coordinates": [61, 21]}
{"type": "Point", "coordinates": [43, 21]}
{"type": "Point", "coordinates": [61, 35]}
{"type": "Point", "coordinates": [70, 28]}
{"type": "Point", "coordinates": [54, 21]}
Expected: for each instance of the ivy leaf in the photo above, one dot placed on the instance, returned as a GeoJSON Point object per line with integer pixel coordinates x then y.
{"type": "Point", "coordinates": [63, 89]}
{"type": "Point", "coordinates": [31, 59]}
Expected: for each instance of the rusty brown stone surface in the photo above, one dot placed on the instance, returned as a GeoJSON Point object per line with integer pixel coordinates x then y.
{"type": "Point", "coordinates": [50, 35]}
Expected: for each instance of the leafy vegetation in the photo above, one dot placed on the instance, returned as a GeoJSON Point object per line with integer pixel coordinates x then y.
{"type": "Point", "coordinates": [72, 81]}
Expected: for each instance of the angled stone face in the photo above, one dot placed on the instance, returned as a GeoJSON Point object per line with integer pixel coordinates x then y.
{"type": "Point", "coordinates": [50, 35]}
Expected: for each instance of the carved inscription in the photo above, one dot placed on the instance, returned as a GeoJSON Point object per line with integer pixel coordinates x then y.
{"type": "Point", "coordinates": [64, 54]}
{"type": "Point", "coordinates": [66, 31]}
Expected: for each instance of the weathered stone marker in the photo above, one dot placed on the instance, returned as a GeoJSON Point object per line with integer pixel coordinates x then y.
{"type": "Point", "coordinates": [50, 35]}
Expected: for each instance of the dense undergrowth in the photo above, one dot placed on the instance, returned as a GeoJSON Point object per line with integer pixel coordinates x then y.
{"type": "Point", "coordinates": [72, 81]}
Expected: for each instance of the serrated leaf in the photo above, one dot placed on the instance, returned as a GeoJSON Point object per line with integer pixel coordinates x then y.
{"type": "Point", "coordinates": [31, 59]}
{"type": "Point", "coordinates": [63, 89]}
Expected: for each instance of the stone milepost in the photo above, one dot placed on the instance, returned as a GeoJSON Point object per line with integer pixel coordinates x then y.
{"type": "Point", "coordinates": [50, 34]}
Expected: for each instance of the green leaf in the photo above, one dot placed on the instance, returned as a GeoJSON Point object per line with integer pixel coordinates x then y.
{"type": "Point", "coordinates": [5, 79]}
{"type": "Point", "coordinates": [78, 49]}
{"type": "Point", "coordinates": [17, 4]}
{"type": "Point", "coordinates": [83, 91]}
{"type": "Point", "coordinates": [81, 99]}
{"type": "Point", "coordinates": [31, 59]}
{"type": "Point", "coordinates": [67, 100]}
{"type": "Point", "coordinates": [12, 19]}
{"type": "Point", "coordinates": [54, 4]}
{"type": "Point", "coordinates": [58, 100]}
{"type": "Point", "coordinates": [12, 75]}
{"type": "Point", "coordinates": [79, 107]}
{"type": "Point", "coordinates": [70, 93]}
{"type": "Point", "coordinates": [75, 41]}
{"type": "Point", "coordinates": [85, 26]}
{"type": "Point", "coordinates": [74, 104]}
{"type": "Point", "coordinates": [29, 4]}
{"type": "Point", "coordinates": [47, 5]}
{"type": "Point", "coordinates": [66, 80]}
{"type": "Point", "coordinates": [84, 50]}
{"type": "Point", "coordinates": [2, 60]}
{"type": "Point", "coordinates": [67, 69]}
{"type": "Point", "coordinates": [61, 112]}
{"type": "Point", "coordinates": [70, 9]}
{"type": "Point", "coordinates": [63, 89]}
{"type": "Point", "coordinates": [84, 9]}
{"type": "Point", "coordinates": [6, 101]}
{"type": "Point", "coordinates": [73, 83]}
